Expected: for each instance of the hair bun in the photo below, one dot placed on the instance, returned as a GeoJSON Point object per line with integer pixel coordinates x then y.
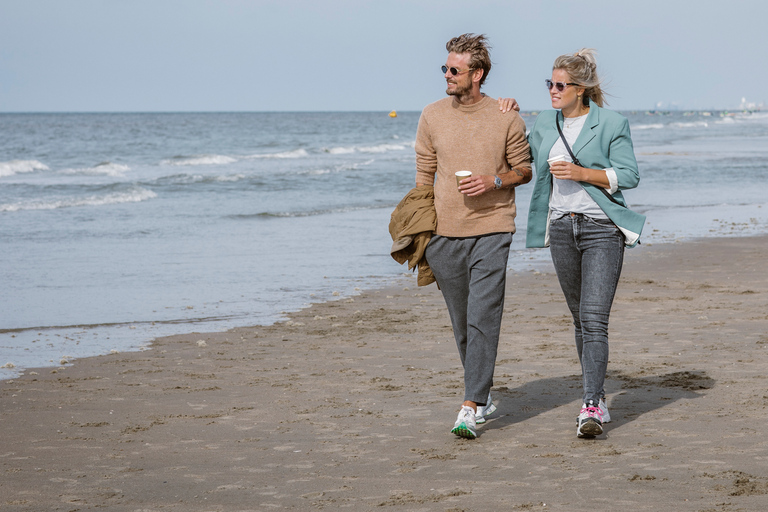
{"type": "Point", "coordinates": [588, 55]}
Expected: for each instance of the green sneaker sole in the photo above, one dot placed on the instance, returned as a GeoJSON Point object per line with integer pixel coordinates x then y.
{"type": "Point", "coordinates": [464, 431]}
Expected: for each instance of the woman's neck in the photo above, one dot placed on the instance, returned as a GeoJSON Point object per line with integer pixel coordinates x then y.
{"type": "Point", "coordinates": [576, 111]}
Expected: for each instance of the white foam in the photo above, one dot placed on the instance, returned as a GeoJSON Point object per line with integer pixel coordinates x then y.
{"type": "Point", "coordinates": [231, 177]}
{"type": "Point", "coordinates": [297, 153]}
{"type": "Point", "coordinates": [103, 169]}
{"type": "Point", "coordinates": [694, 124]}
{"type": "Point", "coordinates": [21, 166]}
{"type": "Point", "coordinates": [382, 148]}
{"type": "Point", "coordinates": [339, 168]}
{"type": "Point", "coordinates": [653, 126]}
{"type": "Point", "coordinates": [134, 196]}
{"type": "Point", "coordinates": [340, 151]}
{"type": "Point", "coordinates": [200, 178]}
{"type": "Point", "coordinates": [742, 117]}
{"type": "Point", "coordinates": [202, 160]}
{"type": "Point", "coordinates": [754, 116]}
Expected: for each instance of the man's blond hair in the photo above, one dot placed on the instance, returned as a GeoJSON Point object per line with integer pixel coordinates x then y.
{"type": "Point", "coordinates": [478, 49]}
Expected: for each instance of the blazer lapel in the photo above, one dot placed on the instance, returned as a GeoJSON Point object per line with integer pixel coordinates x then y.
{"type": "Point", "coordinates": [588, 132]}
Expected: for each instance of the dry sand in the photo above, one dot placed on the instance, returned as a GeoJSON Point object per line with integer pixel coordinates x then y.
{"type": "Point", "coordinates": [349, 404]}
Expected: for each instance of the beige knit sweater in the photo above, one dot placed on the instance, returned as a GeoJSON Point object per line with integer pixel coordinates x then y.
{"type": "Point", "coordinates": [479, 138]}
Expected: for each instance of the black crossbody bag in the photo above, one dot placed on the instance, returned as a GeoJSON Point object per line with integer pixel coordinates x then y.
{"type": "Point", "coordinates": [576, 161]}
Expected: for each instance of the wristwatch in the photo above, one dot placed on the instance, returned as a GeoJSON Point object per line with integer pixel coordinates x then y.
{"type": "Point", "coordinates": [497, 182]}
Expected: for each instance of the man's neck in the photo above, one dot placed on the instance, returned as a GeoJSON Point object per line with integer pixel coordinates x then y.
{"type": "Point", "coordinates": [471, 98]}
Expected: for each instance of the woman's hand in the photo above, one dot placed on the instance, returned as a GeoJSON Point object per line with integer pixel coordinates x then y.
{"type": "Point", "coordinates": [476, 185]}
{"type": "Point", "coordinates": [568, 171]}
{"type": "Point", "coordinates": [507, 104]}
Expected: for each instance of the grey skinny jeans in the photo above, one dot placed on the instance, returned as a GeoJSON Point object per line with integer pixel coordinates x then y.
{"type": "Point", "coordinates": [472, 274]}
{"type": "Point", "coordinates": [588, 254]}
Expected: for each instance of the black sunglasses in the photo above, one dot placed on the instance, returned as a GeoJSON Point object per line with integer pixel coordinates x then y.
{"type": "Point", "coordinates": [454, 71]}
{"type": "Point", "coordinates": [560, 86]}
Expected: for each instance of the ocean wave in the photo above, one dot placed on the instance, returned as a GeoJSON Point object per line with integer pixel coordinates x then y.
{"type": "Point", "coordinates": [102, 169]}
{"type": "Point", "coordinates": [652, 126]}
{"type": "Point", "coordinates": [199, 178]}
{"type": "Point", "coordinates": [228, 178]}
{"type": "Point", "coordinates": [734, 117]}
{"type": "Point", "coordinates": [380, 148]}
{"type": "Point", "coordinates": [340, 151]}
{"type": "Point", "coordinates": [754, 116]}
{"type": "Point", "coordinates": [21, 166]}
{"type": "Point", "coordinates": [693, 124]}
{"type": "Point", "coordinates": [338, 168]}
{"type": "Point", "coordinates": [297, 153]}
{"type": "Point", "coordinates": [200, 160]}
{"type": "Point", "coordinates": [311, 213]}
{"type": "Point", "coordinates": [133, 196]}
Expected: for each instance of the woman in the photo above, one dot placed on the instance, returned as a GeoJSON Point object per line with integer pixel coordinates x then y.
{"type": "Point", "coordinates": [577, 209]}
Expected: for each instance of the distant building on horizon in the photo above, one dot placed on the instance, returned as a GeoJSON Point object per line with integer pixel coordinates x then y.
{"type": "Point", "coordinates": [746, 105]}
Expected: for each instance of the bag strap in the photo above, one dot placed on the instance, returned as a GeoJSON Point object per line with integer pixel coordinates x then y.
{"type": "Point", "coordinates": [573, 157]}
{"type": "Point", "coordinates": [576, 160]}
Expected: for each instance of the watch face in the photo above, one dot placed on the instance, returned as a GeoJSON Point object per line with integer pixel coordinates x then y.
{"type": "Point", "coordinates": [497, 182]}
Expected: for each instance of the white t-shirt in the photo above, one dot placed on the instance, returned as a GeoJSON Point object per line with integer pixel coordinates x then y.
{"type": "Point", "coordinates": [569, 196]}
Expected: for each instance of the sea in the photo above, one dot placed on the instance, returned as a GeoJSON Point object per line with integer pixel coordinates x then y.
{"type": "Point", "coordinates": [117, 228]}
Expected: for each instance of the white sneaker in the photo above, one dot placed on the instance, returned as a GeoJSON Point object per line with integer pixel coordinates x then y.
{"type": "Point", "coordinates": [485, 410]}
{"type": "Point", "coordinates": [590, 421]}
{"type": "Point", "coordinates": [465, 425]}
{"type": "Point", "coordinates": [604, 409]}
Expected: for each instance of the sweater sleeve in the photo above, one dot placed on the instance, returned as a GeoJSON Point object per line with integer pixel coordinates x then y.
{"type": "Point", "coordinates": [518, 150]}
{"type": "Point", "coordinates": [426, 156]}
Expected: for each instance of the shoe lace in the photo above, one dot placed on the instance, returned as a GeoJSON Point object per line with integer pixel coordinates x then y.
{"type": "Point", "coordinates": [592, 411]}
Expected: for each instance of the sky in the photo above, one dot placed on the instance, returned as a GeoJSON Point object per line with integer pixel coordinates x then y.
{"type": "Point", "coordinates": [361, 55]}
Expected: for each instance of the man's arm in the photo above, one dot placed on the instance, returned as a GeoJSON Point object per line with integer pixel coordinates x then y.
{"type": "Point", "coordinates": [426, 156]}
{"type": "Point", "coordinates": [518, 155]}
{"type": "Point", "coordinates": [478, 185]}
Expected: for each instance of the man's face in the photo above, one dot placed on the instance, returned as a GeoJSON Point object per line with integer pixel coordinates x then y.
{"type": "Point", "coordinates": [461, 84]}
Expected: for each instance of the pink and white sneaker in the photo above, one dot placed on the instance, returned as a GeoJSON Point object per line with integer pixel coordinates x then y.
{"type": "Point", "coordinates": [604, 409]}
{"type": "Point", "coordinates": [590, 421]}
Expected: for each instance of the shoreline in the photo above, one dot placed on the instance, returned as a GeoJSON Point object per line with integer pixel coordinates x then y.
{"type": "Point", "coordinates": [30, 348]}
{"type": "Point", "coordinates": [349, 403]}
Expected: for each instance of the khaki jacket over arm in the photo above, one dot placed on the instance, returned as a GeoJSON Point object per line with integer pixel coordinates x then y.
{"type": "Point", "coordinates": [411, 226]}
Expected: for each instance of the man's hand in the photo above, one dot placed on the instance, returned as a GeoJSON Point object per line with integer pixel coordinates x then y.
{"type": "Point", "coordinates": [476, 185]}
{"type": "Point", "coordinates": [507, 104]}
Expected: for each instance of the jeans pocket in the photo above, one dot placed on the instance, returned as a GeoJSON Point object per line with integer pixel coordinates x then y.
{"type": "Point", "coordinates": [606, 224]}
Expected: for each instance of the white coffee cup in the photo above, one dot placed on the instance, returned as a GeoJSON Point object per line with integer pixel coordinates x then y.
{"type": "Point", "coordinates": [460, 175]}
{"type": "Point", "coordinates": [558, 158]}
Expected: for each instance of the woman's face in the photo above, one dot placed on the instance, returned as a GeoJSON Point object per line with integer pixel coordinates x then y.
{"type": "Point", "coordinates": [567, 100]}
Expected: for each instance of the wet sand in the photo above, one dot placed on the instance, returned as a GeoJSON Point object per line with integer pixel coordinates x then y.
{"type": "Point", "coordinates": [349, 404]}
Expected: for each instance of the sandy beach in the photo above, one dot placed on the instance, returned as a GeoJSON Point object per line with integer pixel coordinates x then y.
{"type": "Point", "coordinates": [349, 404]}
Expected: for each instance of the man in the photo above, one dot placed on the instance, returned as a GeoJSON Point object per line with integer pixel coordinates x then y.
{"type": "Point", "coordinates": [476, 220]}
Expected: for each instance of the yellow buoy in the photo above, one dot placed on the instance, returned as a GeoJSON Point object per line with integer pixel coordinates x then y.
{"type": "Point", "coordinates": [393, 114]}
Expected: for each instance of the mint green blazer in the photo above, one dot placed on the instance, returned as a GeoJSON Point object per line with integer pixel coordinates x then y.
{"type": "Point", "coordinates": [604, 142]}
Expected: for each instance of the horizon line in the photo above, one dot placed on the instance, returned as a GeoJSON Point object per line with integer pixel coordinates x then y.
{"type": "Point", "coordinates": [48, 112]}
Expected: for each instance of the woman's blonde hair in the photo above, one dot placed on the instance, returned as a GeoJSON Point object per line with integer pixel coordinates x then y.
{"type": "Point", "coordinates": [582, 68]}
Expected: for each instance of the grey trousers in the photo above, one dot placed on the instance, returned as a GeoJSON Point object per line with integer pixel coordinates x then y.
{"type": "Point", "coordinates": [472, 274]}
